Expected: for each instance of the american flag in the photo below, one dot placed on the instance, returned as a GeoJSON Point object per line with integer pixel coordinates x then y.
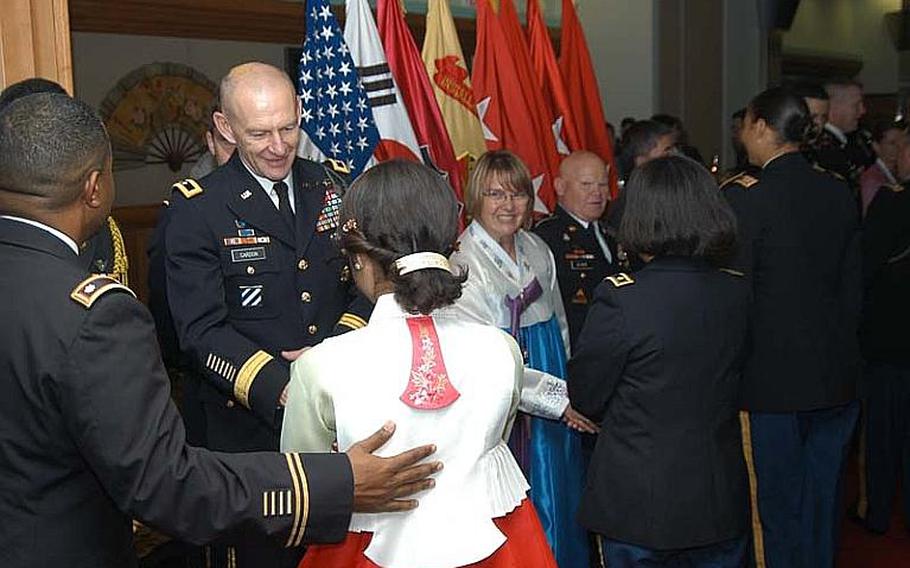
{"type": "Point", "coordinates": [336, 116]}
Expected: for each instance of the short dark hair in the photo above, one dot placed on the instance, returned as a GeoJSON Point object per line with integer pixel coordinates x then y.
{"type": "Point", "coordinates": [840, 83]}
{"type": "Point", "coordinates": [402, 207]}
{"type": "Point", "coordinates": [638, 140]}
{"type": "Point", "coordinates": [784, 111]}
{"type": "Point", "coordinates": [739, 115]}
{"type": "Point", "coordinates": [49, 143]}
{"type": "Point", "coordinates": [881, 127]}
{"type": "Point", "coordinates": [673, 208]}
{"type": "Point", "coordinates": [27, 87]}
{"type": "Point", "coordinates": [810, 91]}
{"type": "Point", "coordinates": [673, 122]}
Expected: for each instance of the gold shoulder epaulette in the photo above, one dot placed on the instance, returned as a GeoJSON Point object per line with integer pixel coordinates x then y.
{"type": "Point", "coordinates": [742, 179]}
{"type": "Point", "coordinates": [621, 279]}
{"type": "Point", "coordinates": [189, 187]}
{"type": "Point", "coordinates": [733, 272]}
{"type": "Point", "coordinates": [833, 174]}
{"type": "Point", "coordinates": [337, 166]}
{"type": "Point", "coordinates": [89, 290]}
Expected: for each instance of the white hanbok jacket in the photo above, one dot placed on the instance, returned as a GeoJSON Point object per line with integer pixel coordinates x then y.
{"type": "Point", "coordinates": [493, 274]}
{"type": "Point", "coordinates": [348, 386]}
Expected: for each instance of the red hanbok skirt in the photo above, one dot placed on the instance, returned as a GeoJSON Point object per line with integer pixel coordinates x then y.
{"type": "Point", "coordinates": [525, 546]}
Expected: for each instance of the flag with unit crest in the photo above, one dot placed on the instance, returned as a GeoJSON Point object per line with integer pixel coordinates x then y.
{"type": "Point", "coordinates": [448, 71]}
{"type": "Point", "coordinates": [336, 118]}
{"type": "Point", "coordinates": [397, 138]}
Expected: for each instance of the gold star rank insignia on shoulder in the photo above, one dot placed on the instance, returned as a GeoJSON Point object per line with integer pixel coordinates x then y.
{"type": "Point", "coordinates": [621, 279]}
{"type": "Point", "coordinates": [89, 290]}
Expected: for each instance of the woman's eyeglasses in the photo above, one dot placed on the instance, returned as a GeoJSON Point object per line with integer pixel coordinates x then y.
{"type": "Point", "coordinates": [498, 196]}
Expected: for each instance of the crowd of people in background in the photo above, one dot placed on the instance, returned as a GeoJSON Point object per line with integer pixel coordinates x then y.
{"type": "Point", "coordinates": [674, 377]}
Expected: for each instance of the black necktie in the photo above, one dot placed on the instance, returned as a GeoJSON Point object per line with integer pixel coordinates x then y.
{"type": "Point", "coordinates": [284, 204]}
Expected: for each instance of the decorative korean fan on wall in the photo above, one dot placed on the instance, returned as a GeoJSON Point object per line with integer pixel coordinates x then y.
{"type": "Point", "coordinates": [158, 115]}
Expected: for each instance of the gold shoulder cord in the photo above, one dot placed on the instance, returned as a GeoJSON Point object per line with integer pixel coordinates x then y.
{"type": "Point", "coordinates": [121, 262]}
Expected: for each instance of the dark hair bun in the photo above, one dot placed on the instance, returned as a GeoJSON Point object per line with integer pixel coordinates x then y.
{"type": "Point", "coordinates": [402, 208]}
{"type": "Point", "coordinates": [785, 112]}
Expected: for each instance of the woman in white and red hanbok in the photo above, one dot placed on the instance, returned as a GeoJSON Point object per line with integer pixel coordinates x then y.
{"type": "Point", "coordinates": [443, 380]}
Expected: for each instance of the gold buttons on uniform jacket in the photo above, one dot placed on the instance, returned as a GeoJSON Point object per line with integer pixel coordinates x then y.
{"type": "Point", "coordinates": [303, 264]}
{"type": "Point", "coordinates": [312, 329]}
{"type": "Point", "coordinates": [305, 297]}
{"type": "Point", "coordinates": [250, 270]}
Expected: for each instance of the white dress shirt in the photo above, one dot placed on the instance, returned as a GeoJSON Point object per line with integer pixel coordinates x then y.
{"type": "Point", "coordinates": [59, 234]}
{"type": "Point", "coordinates": [597, 234]}
{"type": "Point", "coordinates": [268, 186]}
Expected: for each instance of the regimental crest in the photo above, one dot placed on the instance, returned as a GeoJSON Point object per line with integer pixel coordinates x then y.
{"type": "Point", "coordinates": [452, 78]}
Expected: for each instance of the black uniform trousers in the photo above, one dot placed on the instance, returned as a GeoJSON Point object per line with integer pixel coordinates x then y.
{"type": "Point", "coordinates": [886, 348]}
{"type": "Point", "coordinates": [800, 250]}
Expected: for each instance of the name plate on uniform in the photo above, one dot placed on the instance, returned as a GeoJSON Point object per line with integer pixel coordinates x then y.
{"type": "Point", "coordinates": [248, 254]}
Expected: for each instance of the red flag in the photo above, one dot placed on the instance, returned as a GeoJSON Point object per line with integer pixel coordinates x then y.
{"type": "Point", "coordinates": [417, 93]}
{"type": "Point", "coordinates": [543, 115]}
{"type": "Point", "coordinates": [507, 115]}
{"type": "Point", "coordinates": [584, 96]}
{"type": "Point", "coordinates": [543, 60]}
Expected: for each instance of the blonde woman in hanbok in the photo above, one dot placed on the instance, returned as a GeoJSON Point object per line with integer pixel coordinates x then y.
{"type": "Point", "coordinates": [512, 285]}
{"type": "Point", "coordinates": [442, 379]}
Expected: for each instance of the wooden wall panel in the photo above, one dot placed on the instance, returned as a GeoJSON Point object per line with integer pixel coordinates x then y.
{"type": "Point", "coordinates": [269, 21]}
{"type": "Point", "coordinates": [137, 223]}
{"type": "Point", "coordinates": [35, 41]}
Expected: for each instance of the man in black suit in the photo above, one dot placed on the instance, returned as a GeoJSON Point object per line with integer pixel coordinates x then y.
{"type": "Point", "coordinates": [583, 251]}
{"type": "Point", "coordinates": [843, 147]}
{"type": "Point", "coordinates": [253, 277]}
{"type": "Point", "coordinates": [90, 436]}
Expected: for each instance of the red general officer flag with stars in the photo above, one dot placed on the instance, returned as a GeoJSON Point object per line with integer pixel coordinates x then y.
{"type": "Point", "coordinates": [584, 97]}
{"type": "Point", "coordinates": [504, 109]}
{"type": "Point", "coordinates": [543, 60]}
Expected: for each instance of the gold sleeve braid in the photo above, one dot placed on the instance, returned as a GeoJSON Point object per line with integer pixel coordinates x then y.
{"type": "Point", "coordinates": [121, 262]}
{"type": "Point", "coordinates": [352, 321]}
